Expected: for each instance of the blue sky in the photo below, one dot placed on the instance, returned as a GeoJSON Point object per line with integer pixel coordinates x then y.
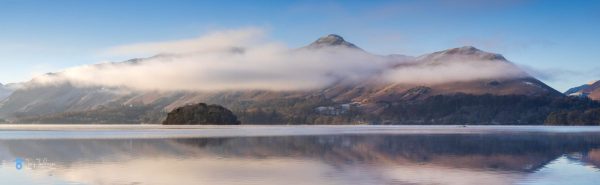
{"type": "Point", "coordinates": [557, 40]}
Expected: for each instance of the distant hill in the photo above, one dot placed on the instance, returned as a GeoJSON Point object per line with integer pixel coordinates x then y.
{"type": "Point", "coordinates": [372, 100]}
{"type": "Point", "coordinates": [590, 90]}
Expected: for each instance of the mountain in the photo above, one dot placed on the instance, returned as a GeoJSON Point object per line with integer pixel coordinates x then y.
{"type": "Point", "coordinates": [331, 40]}
{"type": "Point", "coordinates": [520, 84]}
{"type": "Point", "coordinates": [369, 100]}
{"type": "Point", "coordinates": [591, 90]}
{"type": "Point", "coordinates": [465, 52]}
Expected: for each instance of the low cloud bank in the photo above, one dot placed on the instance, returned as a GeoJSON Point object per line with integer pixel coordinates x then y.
{"type": "Point", "coordinates": [245, 60]}
{"type": "Point", "coordinates": [454, 71]}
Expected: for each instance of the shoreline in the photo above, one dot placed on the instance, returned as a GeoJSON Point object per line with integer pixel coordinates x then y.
{"type": "Point", "coordinates": [12, 132]}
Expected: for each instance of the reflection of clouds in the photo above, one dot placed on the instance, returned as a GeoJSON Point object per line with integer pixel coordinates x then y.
{"type": "Point", "coordinates": [271, 171]}
{"type": "Point", "coordinates": [340, 159]}
{"type": "Point", "coordinates": [521, 163]}
{"type": "Point", "coordinates": [10, 175]}
{"type": "Point", "coordinates": [236, 171]}
{"type": "Point", "coordinates": [564, 171]}
{"type": "Point", "coordinates": [431, 174]}
{"type": "Point", "coordinates": [212, 171]}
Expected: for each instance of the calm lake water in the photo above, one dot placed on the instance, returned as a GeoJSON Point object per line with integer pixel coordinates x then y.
{"type": "Point", "coordinates": [291, 155]}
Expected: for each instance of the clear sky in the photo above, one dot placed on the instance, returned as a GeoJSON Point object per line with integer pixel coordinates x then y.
{"type": "Point", "coordinates": [558, 40]}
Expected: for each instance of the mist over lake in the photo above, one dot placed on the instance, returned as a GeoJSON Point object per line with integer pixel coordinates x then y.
{"type": "Point", "coordinates": [130, 154]}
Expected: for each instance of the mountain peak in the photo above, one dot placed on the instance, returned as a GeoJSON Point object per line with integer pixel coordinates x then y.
{"type": "Point", "coordinates": [332, 36]}
{"type": "Point", "coordinates": [331, 40]}
{"type": "Point", "coordinates": [465, 51]}
{"type": "Point", "coordinates": [469, 48]}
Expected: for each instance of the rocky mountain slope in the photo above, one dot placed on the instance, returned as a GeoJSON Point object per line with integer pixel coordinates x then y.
{"type": "Point", "coordinates": [340, 102]}
{"type": "Point", "coordinates": [331, 40]}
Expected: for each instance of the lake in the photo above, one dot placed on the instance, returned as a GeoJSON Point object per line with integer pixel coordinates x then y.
{"type": "Point", "coordinates": [295, 155]}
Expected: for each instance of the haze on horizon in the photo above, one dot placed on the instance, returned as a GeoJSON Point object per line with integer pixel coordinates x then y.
{"type": "Point", "coordinates": [555, 41]}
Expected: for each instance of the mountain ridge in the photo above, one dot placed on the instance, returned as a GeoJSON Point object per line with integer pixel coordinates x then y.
{"type": "Point", "coordinates": [369, 96]}
{"type": "Point", "coordinates": [462, 53]}
{"type": "Point", "coordinates": [331, 40]}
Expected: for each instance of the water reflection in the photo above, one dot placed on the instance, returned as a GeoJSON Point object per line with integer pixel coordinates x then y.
{"type": "Point", "coordinates": [503, 158]}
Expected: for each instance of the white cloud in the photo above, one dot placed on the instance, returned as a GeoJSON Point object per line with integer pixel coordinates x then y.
{"type": "Point", "coordinates": [244, 59]}
{"type": "Point", "coordinates": [209, 43]}
{"type": "Point", "coordinates": [454, 71]}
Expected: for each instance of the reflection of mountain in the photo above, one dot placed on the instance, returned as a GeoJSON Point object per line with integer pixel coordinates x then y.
{"type": "Point", "coordinates": [341, 102]}
{"type": "Point", "coordinates": [505, 158]}
{"type": "Point", "coordinates": [513, 153]}
{"type": "Point", "coordinates": [509, 152]}
{"type": "Point", "coordinates": [593, 157]}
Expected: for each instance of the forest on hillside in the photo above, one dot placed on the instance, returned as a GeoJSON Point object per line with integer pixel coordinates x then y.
{"type": "Point", "coordinates": [495, 110]}
{"type": "Point", "coordinates": [456, 109]}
